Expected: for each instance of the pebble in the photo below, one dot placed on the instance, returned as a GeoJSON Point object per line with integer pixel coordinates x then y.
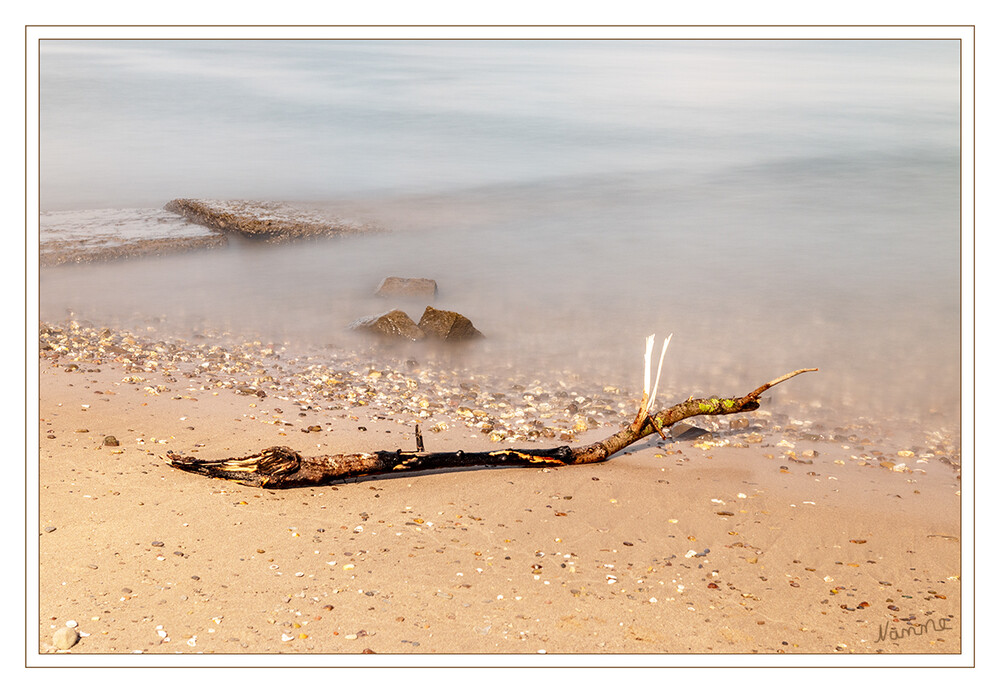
{"type": "Point", "coordinates": [50, 529]}
{"type": "Point", "coordinates": [508, 407]}
{"type": "Point", "coordinates": [503, 406]}
{"type": "Point", "coordinates": [65, 638]}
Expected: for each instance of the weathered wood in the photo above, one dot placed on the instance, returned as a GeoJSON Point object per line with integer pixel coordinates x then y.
{"type": "Point", "coordinates": [281, 467]}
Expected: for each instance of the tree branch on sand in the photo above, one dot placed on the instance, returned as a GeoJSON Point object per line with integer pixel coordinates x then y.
{"type": "Point", "coordinates": [282, 467]}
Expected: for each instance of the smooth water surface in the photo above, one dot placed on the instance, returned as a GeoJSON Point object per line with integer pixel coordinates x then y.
{"type": "Point", "coordinates": [774, 204]}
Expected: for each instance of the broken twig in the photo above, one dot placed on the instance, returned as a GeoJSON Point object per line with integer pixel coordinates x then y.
{"type": "Point", "coordinates": [281, 467]}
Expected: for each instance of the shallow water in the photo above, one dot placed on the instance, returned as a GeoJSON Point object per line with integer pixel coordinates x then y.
{"type": "Point", "coordinates": [775, 205]}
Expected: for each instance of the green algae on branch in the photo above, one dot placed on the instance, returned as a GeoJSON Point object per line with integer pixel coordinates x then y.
{"type": "Point", "coordinates": [280, 467]}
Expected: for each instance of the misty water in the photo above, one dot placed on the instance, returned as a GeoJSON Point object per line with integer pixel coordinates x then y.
{"type": "Point", "coordinates": [773, 204]}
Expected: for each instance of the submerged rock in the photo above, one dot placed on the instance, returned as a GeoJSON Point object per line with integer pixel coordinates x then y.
{"type": "Point", "coordinates": [262, 220]}
{"type": "Point", "coordinates": [407, 287]}
{"type": "Point", "coordinates": [444, 325]}
{"type": "Point", "coordinates": [394, 323]}
{"type": "Point", "coordinates": [448, 325]}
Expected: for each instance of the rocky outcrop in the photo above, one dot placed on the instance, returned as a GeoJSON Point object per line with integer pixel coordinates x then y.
{"type": "Point", "coordinates": [263, 221]}
{"type": "Point", "coordinates": [407, 287]}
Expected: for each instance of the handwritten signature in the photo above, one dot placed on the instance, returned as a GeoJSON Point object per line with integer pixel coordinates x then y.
{"type": "Point", "coordinates": [893, 632]}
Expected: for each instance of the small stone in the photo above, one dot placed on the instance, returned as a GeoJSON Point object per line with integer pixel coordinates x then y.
{"type": "Point", "coordinates": [65, 638]}
{"type": "Point", "coordinates": [686, 432]}
{"type": "Point", "coordinates": [157, 543]}
{"type": "Point", "coordinates": [394, 323]}
{"type": "Point", "coordinates": [111, 441]}
{"type": "Point", "coordinates": [50, 529]}
{"type": "Point", "coordinates": [447, 325]}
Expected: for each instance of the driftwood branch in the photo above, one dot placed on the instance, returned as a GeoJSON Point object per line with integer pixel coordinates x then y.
{"type": "Point", "coordinates": [281, 467]}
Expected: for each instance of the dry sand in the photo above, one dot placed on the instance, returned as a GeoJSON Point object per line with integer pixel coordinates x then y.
{"type": "Point", "coordinates": [688, 546]}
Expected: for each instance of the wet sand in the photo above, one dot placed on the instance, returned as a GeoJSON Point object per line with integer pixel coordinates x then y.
{"type": "Point", "coordinates": [776, 535]}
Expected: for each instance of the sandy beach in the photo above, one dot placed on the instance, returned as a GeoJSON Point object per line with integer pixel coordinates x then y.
{"type": "Point", "coordinates": [764, 535]}
{"type": "Point", "coordinates": [217, 220]}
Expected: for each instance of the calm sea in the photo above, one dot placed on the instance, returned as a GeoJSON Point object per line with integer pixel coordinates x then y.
{"type": "Point", "coordinates": [773, 204]}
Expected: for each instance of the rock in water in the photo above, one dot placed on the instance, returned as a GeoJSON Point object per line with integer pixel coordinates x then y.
{"type": "Point", "coordinates": [407, 287]}
{"type": "Point", "coordinates": [448, 325]}
{"type": "Point", "coordinates": [264, 221]}
{"type": "Point", "coordinates": [65, 638]}
{"type": "Point", "coordinates": [395, 323]}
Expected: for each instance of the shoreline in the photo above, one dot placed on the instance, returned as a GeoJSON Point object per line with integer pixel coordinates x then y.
{"type": "Point", "coordinates": [770, 535]}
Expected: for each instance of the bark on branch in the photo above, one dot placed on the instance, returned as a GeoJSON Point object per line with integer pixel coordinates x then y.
{"type": "Point", "coordinates": [281, 467]}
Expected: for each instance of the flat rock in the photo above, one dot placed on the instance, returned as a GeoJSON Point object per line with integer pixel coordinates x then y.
{"type": "Point", "coordinates": [395, 324]}
{"type": "Point", "coordinates": [264, 221]}
{"type": "Point", "coordinates": [448, 325]}
{"type": "Point", "coordinates": [407, 287]}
